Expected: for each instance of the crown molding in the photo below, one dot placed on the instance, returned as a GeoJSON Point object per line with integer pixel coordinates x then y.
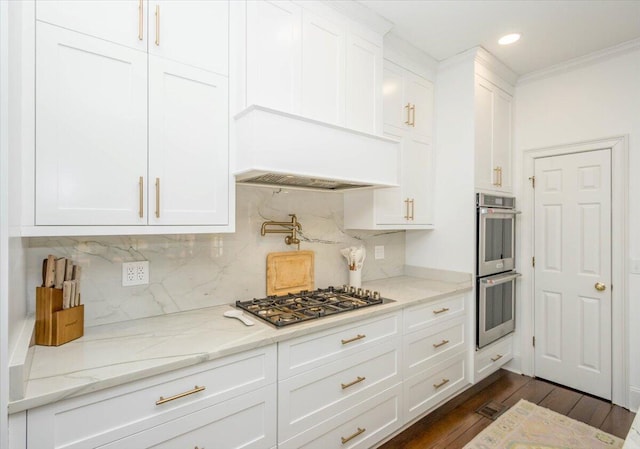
{"type": "Point", "coordinates": [403, 53]}
{"type": "Point", "coordinates": [361, 14]}
{"type": "Point", "coordinates": [582, 61]}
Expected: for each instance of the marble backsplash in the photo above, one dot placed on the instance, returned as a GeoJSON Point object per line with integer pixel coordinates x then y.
{"type": "Point", "coordinates": [192, 271]}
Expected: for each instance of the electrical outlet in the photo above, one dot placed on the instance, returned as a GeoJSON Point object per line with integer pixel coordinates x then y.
{"type": "Point", "coordinates": [379, 252]}
{"type": "Point", "coordinates": [135, 273]}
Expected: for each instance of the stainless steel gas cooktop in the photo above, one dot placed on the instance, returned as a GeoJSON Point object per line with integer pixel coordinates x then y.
{"type": "Point", "coordinates": [310, 305]}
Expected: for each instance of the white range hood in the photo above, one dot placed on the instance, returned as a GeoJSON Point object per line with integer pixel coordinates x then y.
{"type": "Point", "coordinates": [278, 148]}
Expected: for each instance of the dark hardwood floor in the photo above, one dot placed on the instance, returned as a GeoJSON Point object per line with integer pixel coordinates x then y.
{"type": "Point", "coordinates": [456, 423]}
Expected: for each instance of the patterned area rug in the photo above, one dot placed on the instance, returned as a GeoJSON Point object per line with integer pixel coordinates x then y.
{"type": "Point", "coordinates": [527, 426]}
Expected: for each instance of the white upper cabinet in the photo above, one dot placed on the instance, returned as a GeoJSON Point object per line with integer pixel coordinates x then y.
{"type": "Point", "coordinates": [492, 137]}
{"type": "Point", "coordinates": [364, 78]}
{"type": "Point", "coordinates": [274, 50]}
{"type": "Point", "coordinates": [408, 117]}
{"type": "Point", "coordinates": [122, 22]}
{"type": "Point", "coordinates": [188, 141]}
{"type": "Point", "coordinates": [91, 130]}
{"type": "Point", "coordinates": [191, 32]}
{"type": "Point", "coordinates": [306, 59]}
{"type": "Point", "coordinates": [132, 128]}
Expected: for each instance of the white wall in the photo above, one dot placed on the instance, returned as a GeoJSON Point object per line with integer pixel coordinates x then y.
{"type": "Point", "coordinates": [451, 245]}
{"type": "Point", "coordinates": [592, 101]}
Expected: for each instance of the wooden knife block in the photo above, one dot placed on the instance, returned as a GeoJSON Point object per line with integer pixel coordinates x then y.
{"type": "Point", "coordinates": [55, 326]}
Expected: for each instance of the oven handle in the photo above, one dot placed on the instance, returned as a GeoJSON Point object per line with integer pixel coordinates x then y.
{"type": "Point", "coordinates": [490, 210]}
{"type": "Point", "coordinates": [495, 280]}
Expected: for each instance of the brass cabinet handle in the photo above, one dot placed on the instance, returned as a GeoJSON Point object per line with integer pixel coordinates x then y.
{"type": "Point", "coordinates": [500, 173]}
{"type": "Point", "coordinates": [496, 358]}
{"type": "Point", "coordinates": [140, 20]}
{"type": "Point", "coordinates": [442, 343]}
{"type": "Point", "coordinates": [141, 197]}
{"type": "Point", "coordinates": [350, 384]}
{"type": "Point", "coordinates": [406, 206]}
{"type": "Point", "coordinates": [196, 389]}
{"type": "Point", "coordinates": [351, 340]}
{"type": "Point", "coordinates": [157, 197]}
{"type": "Point", "coordinates": [412, 208]}
{"type": "Point", "coordinates": [444, 381]}
{"type": "Point", "coordinates": [600, 286]}
{"type": "Point", "coordinates": [351, 437]}
{"type": "Point", "coordinates": [496, 176]}
{"type": "Point", "coordinates": [158, 25]}
{"type": "Point", "coordinates": [408, 120]}
{"type": "Point", "coordinates": [444, 309]}
{"type": "Point", "coordinates": [413, 115]}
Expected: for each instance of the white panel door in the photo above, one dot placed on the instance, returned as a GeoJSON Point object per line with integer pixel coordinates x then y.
{"type": "Point", "coordinates": [501, 154]}
{"type": "Point", "coordinates": [417, 166]}
{"type": "Point", "coordinates": [573, 271]}
{"type": "Point", "coordinates": [191, 32]}
{"type": "Point", "coordinates": [123, 22]}
{"type": "Point", "coordinates": [274, 49]}
{"type": "Point", "coordinates": [395, 109]}
{"type": "Point", "coordinates": [323, 69]}
{"type": "Point", "coordinates": [484, 134]}
{"type": "Point", "coordinates": [188, 145]}
{"type": "Point", "coordinates": [364, 72]}
{"type": "Point", "coordinates": [419, 92]}
{"type": "Point", "coordinates": [91, 130]}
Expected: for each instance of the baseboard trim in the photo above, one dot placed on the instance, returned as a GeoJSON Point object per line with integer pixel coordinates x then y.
{"type": "Point", "coordinates": [634, 399]}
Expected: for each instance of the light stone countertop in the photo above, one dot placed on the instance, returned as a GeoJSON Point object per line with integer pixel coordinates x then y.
{"type": "Point", "coordinates": [114, 354]}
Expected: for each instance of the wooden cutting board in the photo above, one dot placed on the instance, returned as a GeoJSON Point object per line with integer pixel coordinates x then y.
{"type": "Point", "coordinates": [290, 272]}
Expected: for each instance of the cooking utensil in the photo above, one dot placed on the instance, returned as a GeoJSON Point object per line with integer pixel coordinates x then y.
{"type": "Point", "coordinates": [290, 272]}
{"type": "Point", "coordinates": [59, 273]}
{"type": "Point", "coordinates": [50, 279]}
{"type": "Point", "coordinates": [237, 314]}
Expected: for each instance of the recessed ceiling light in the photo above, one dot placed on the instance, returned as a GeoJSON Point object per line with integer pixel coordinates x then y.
{"type": "Point", "coordinates": [509, 39]}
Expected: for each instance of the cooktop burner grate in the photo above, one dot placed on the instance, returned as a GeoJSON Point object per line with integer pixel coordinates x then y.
{"type": "Point", "coordinates": [309, 305]}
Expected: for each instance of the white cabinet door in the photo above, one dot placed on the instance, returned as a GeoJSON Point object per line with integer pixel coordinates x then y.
{"type": "Point", "coordinates": [323, 69]}
{"type": "Point", "coordinates": [419, 93]}
{"type": "Point", "coordinates": [492, 137]}
{"type": "Point", "coordinates": [247, 421]}
{"type": "Point", "coordinates": [396, 110]}
{"type": "Point", "coordinates": [502, 139]}
{"type": "Point", "coordinates": [364, 72]}
{"type": "Point", "coordinates": [417, 176]}
{"type": "Point", "coordinates": [274, 50]}
{"type": "Point", "coordinates": [192, 32]}
{"type": "Point", "coordinates": [91, 130]}
{"type": "Point", "coordinates": [123, 22]}
{"type": "Point", "coordinates": [188, 145]}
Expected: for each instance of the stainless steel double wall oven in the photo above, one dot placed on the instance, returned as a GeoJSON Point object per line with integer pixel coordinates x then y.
{"type": "Point", "coordinates": [495, 274]}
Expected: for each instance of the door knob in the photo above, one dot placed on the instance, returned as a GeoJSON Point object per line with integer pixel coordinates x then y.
{"type": "Point", "coordinates": [600, 286]}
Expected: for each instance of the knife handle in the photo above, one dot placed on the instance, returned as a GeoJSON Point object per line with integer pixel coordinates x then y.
{"type": "Point", "coordinates": [51, 271]}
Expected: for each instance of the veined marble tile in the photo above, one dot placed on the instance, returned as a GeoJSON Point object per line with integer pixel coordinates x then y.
{"type": "Point", "coordinates": [193, 271]}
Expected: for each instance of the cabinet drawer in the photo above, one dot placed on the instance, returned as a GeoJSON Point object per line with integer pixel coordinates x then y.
{"type": "Point", "coordinates": [121, 411]}
{"type": "Point", "coordinates": [359, 427]}
{"type": "Point", "coordinates": [318, 349]}
{"type": "Point", "coordinates": [247, 422]}
{"type": "Point", "coordinates": [425, 315]}
{"type": "Point", "coordinates": [492, 357]}
{"type": "Point", "coordinates": [318, 395]}
{"type": "Point", "coordinates": [427, 347]}
{"type": "Point", "coordinates": [425, 390]}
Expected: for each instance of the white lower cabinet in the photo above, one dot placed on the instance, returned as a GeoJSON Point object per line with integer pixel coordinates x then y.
{"type": "Point", "coordinates": [248, 422]}
{"type": "Point", "coordinates": [434, 351]}
{"type": "Point", "coordinates": [193, 406]}
{"type": "Point", "coordinates": [490, 358]}
{"type": "Point", "coordinates": [360, 426]}
{"type": "Point", "coordinates": [429, 388]}
{"type": "Point", "coordinates": [326, 403]}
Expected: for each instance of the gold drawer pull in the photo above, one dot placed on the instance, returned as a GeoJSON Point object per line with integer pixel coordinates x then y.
{"type": "Point", "coordinates": [140, 20]}
{"type": "Point", "coordinates": [351, 437]}
{"type": "Point", "coordinates": [141, 197]}
{"type": "Point", "coordinates": [444, 381]}
{"type": "Point", "coordinates": [442, 343]}
{"type": "Point", "coordinates": [196, 389]}
{"type": "Point", "coordinates": [351, 340]}
{"type": "Point", "coordinates": [350, 384]}
{"type": "Point", "coordinates": [444, 309]}
{"type": "Point", "coordinates": [496, 358]}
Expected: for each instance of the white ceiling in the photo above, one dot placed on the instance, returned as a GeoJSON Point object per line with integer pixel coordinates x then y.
{"type": "Point", "coordinates": [552, 31]}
